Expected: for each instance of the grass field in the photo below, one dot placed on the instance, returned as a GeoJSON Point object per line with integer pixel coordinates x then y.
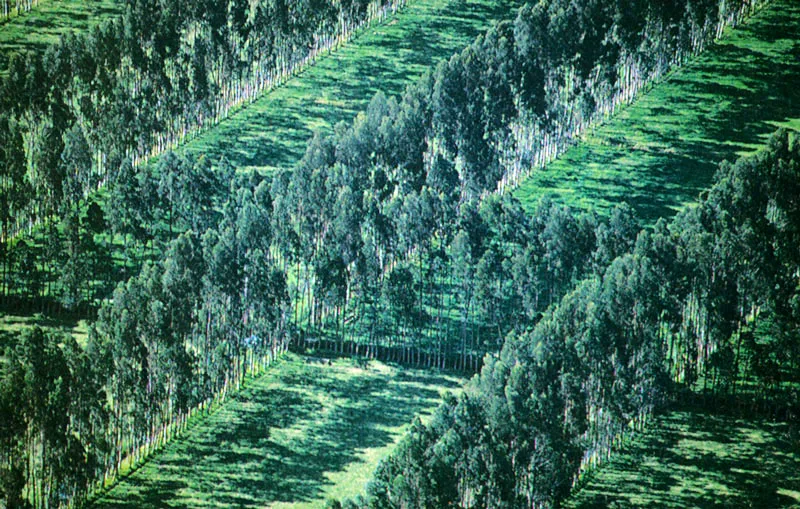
{"type": "Point", "coordinates": [11, 325]}
{"type": "Point", "coordinates": [692, 458]}
{"type": "Point", "coordinates": [273, 131]}
{"type": "Point", "coordinates": [660, 152]}
{"type": "Point", "coordinates": [47, 22]}
{"type": "Point", "coordinates": [302, 433]}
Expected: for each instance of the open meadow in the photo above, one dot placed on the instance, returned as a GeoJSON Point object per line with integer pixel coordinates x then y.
{"type": "Point", "coordinates": [660, 152]}
{"type": "Point", "coordinates": [294, 437]}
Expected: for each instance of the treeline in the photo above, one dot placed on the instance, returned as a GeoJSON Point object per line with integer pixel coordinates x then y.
{"type": "Point", "coordinates": [682, 304]}
{"type": "Point", "coordinates": [419, 278]}
{"type": "Point", "coordinates": [171, 341]}
{"type": "Point", "coordinates": [383, 239]}
{"type": "Point", "coordinates": [94, 105]}
{"type": "Point", "coordinates": [216, 307]}
{"type": "Point", "coordinates": [388, 205]}
{"type": "Point", "coordinates": [73, 262]}
{"type": "Point", "coordinates": [134, 86]}
{"type": "Point", "coordinates": [17, 7]}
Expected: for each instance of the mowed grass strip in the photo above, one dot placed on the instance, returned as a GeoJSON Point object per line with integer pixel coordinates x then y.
{"type": "Point", "coordinates": [694, 458]}
{"type": "Point", "coordinates": [661, 151]}
{"type": "Point", "coordinates": [47, 22]}
{"type": "Point", "coordinates": [273, 132]}
{"type": "Point", "coordinates": [303, 432]}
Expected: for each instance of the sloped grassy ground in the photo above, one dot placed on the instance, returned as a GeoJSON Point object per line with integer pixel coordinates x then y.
{"type": "Point", "coordinates": [294, 437]}
{"type": "Point", "coordinates": [691, 457]}
{"type": "Point", "coordinates": [273, 132]}
{"type": "Point", "coordinates": [47, 22]}
{"type": "Point", "coordinates": [660, 152]}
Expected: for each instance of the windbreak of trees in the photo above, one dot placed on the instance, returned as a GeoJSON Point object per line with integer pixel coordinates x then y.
{"type": "Point", "coordinates": [686, 302]}
{"type": "Point", "coordinates": [131, 88]}
{"type": "Point", "coordinates": [173, 339]}
{"type": "Point", "coordinates": [135, 86]}
{"type": "Point", "coordinates": [73, 262]}
{"type": "Point", "coordinates": [421, 280]}
{"type": "Point", "coordinates": [384, 241]}
{"type": "Point", "coordinates": [381, 221]}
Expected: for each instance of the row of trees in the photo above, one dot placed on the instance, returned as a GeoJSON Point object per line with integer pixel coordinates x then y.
{"type": "Point", "coordinates": [133, 86]}
{"type": "Point", "coordinates": [130, 89]}
{"type": "Point", "coordinates": [399, 190]}
{"type": "Point", "coordinates": [216, 306]}
{"type": "Point", "coordinates": [686, 302]}
{"type": "Point", "coordinates": [382, 237]}
{"type": "Point", "coordinates": [681, 302]}
{"type": "Point", "coordinates": [17, 7]}
{"type": "Point", "coordinates": [74, 261]}
{"type": "Point", "coordinates": [173, 338]}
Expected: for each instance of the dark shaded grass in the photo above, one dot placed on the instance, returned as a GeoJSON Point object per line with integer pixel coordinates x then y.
{"type": "Point", "coordinates": [278, 440]}
{"type": "Point", "coordinates": [659, 153]}
{"type": "Point", "coordinates": [701, 457]}
{"type": "Point", "coordinates": [45, 24]}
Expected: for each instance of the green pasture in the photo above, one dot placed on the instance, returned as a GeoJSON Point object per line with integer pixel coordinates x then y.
{"type": "Point", "coordinates": [11, 325]}
{"type": "Point", "coordinates": [294, 437]}
{"type": "Point", "coordinates": [48, 21]}
{"type": "Point", "coordinates": [660, 152]}
{"type": "Point", "coordinates": [694, 458]}
{"type": "Point", "coordinates": [272, 132]}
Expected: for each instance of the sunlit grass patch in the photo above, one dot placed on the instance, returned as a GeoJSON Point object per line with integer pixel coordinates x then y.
{"type": "Point", "coordinates": [660, 152]}
{"type": "Point", "coordinates": [273, 132]}
{"type": "Point", "coordinates": [698, 458]}
{"type": "Point", "coordinates": [304, 432]}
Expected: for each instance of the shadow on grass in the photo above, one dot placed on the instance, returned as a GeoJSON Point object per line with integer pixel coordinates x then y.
{"type": "Point", "coordinates": [273, 132]}
{"type": "Point", "coordinates": [36, 30]}
{"type": "Point", "coordinates": [695, 456]}
{"type": "Point", "coordinates": [278, 440]}
{"type": "Point", "coordinates": [662, 151]}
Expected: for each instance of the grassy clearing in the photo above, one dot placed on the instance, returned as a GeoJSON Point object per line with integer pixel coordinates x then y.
{"type": "Point", "coordinates": [273, 131]}
{"type": "Point", "coordinates": [694, 458]}
{"type": "Point", "coordinates": [302, 433]}
{"type": "Point", "coordinates": [660, 152]}
{"type": "Point", "coordinates": [46, 23]}
{"type": "Point", "coordinates": [11, 325]}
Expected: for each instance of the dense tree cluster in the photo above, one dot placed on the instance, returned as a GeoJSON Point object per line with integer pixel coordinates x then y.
{"type": "Point", "coordinates": [93, 105]}
{"type": "Point", "coordinates": [678, 305]}
{"type": "Point", "coordinates": [387, 209]}
{"type": "Point", "coordinates": [384, 241]}
{"type": "Point", "coordinates": [132, 87]}
{"type": "Point", "coordinates": [68, 262]}
{"type": "Point", "coordinates": [18, 7]}
{"type": "Point", "coordinates": [173, 338]}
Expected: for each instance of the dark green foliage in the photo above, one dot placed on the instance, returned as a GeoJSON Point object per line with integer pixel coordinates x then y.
{"type": "Point", "coordinates": [559, 395]}
{"type": "Point", "coordinates": [98, 104]}
{"type": "Point", "coordinates": [383, 242]}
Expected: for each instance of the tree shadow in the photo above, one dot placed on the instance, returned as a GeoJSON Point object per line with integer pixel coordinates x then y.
{"type": "Point", "coordinates": [696, 457]}
{"type": "Point", "coordinates": [282, 437]}
{"type": "Point", "coordinates": [37, 30]}
{"type": "Point", "coordinates": [661, 152]}
{"type": "Point", "coordinates": [273, 132]}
